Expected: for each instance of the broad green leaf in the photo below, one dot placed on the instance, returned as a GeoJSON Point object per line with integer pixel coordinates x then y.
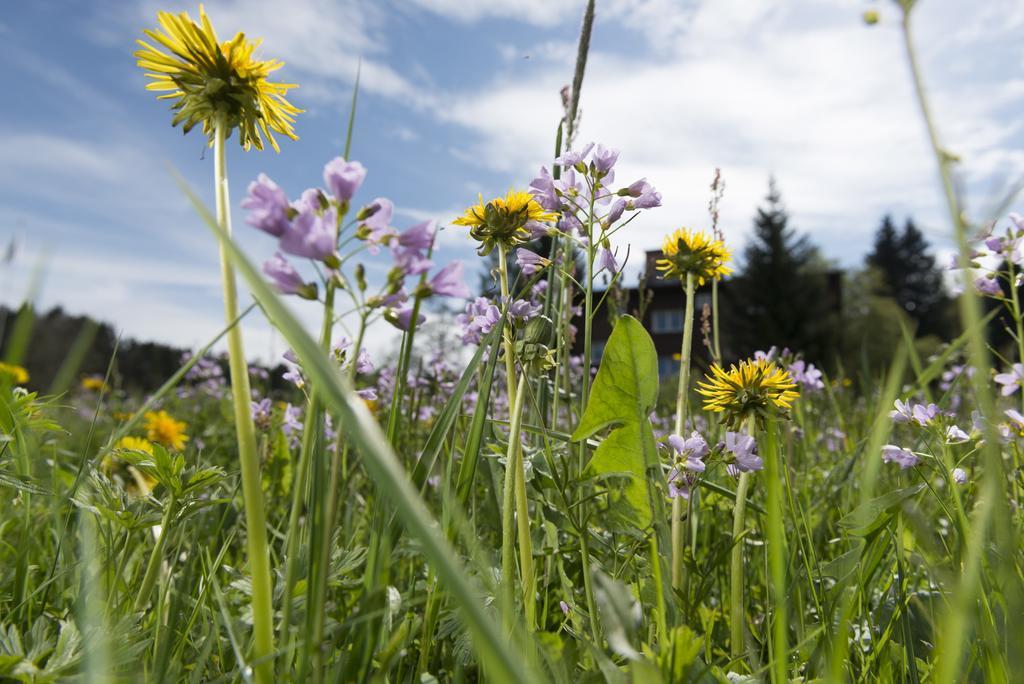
{"type": "Point", "coordinates": [623, 396]}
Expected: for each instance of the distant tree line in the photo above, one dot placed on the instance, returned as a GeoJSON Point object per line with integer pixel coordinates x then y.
{"type": "Point", "coordinates": [780, 295]}
{"type": "Point", "coordinates": [136, 367]}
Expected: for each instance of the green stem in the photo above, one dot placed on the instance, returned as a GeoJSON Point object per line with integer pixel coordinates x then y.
{"type": "Point", "coordinates": [252, 494]}
{"type": "Point", "coordinates": [507, 509]}
{"type": "Point", "coordinates": [776, 555]}
{"type": "Point", "coordinates": [515, 459]}
{"type": "Point", "coordinates": [737, 617]}
{"type": "Point", "coordinates": [681, 406]}
{"type": "Point", "coordinates": [155, 557]}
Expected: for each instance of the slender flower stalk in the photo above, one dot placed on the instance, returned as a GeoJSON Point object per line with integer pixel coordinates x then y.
{"type": "Point", "coordinates": [681, 407]}
{"type": "Point", "coordinates": [155, 557]}
{"type": "Point", "coordinates": [508, 505]}
{"type": "Point", "coordinates": [737, 615]}
{"type": "Point", "coordinates": [252, 493]}
{"type": "Point", "coordinates": [776, 552]}
{"type": "Point", "coordinates": [514, 465]}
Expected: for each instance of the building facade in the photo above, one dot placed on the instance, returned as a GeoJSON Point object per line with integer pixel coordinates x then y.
{"type": "Point", "coordinates": [663, 306]}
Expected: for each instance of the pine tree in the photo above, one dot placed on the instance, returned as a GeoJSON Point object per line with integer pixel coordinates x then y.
{"type": "Point", "coordinates": [780, 295]}
{"type": "Point", "coordinates": [909, 275]}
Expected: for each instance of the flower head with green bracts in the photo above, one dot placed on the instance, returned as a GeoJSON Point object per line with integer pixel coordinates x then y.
{"type": "Point", "coordinates": [693, 252]}
{"type": "Point", "coordinates": [756, 387]}
{"type": "Point", "coordinates": [509, 221]}
{"type": "Point", "coordinates": [209, 79]}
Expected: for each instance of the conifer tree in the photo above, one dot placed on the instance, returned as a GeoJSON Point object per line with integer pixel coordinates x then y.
{"type": "Point", "coordinates": [780, 294]}
{"type": "Point", "coordinates": [909, 275]}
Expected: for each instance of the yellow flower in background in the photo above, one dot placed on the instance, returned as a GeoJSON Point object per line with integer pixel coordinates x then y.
{"type": "Point", "coordinates": [207, 79]}
{"type": "Point", "coordinates": [134, 444]}
{"type": "Point", "coordinates": [93, 383]}
{"type": "Point", "coordinates": [161, 427]}
{"type": "Point", "coordinates": [753, 388]}
{"type": "Point", "coordinates": [504, 220]}
{"type": "Point", "coordinates": [15, 374]}
{"type": "Point", "coordinates": [686, 251]}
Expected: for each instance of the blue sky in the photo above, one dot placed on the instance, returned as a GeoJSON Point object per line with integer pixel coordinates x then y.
{"type": "Point", "coordinates": [462, 96]}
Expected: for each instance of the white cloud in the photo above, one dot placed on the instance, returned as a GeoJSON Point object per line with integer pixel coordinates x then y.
{"type": "Point", "coordinates": [536, 12]}
{"type": "Point", "coordinates": [797, 90]}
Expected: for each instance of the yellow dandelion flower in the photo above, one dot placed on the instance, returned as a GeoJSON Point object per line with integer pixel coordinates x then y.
{"type": "Point", "coordinates": [16, 375]}
{"type": "Point", "coordinates": [93, 383]}
{"type": "Point", "coordinates": [503, 220]}
{"type": "Point", "coordinates": [164, 429]}
{"type": "Point", "coordinates": [135, 444]}
{"type": "Point", "coordinates": [686, 251]}
{"type": "Point", "coordinates": [753, 388]}
{"type": "Point", "coordinates": [208, 79]}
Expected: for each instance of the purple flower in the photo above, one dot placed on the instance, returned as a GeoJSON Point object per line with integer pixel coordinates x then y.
{"type": "Point", "coordinates": [312, 236]}
{"type": "Point", "coordinates": [678, 483]}
{"type": "Point", "coordinates": [743, 448]}
{"type": "Point", "coordinates": [448, 281]}
{"type": "Point", "coordinates": [294, 375]}
{"type": "Point", "coordinates": [291, 425]}
{"type": "Point", "coordinates": [988, 285]}
{"type": "Point", "coordinates": [1017, 420]}
{"type": "Point", "coordinates": [368, 394]}
{"type": "Point", "coordinates": [806, 374]}
{"type": "Point", "coordinates": [955, 435]}
{"type": "Point", "coordinates": [268, 206]}
{"type": "Point", "coordinates": [376, 218]}
{"type": "Point", "coordinates": [607, 260]}
{"type": "Point", "coordinates": [402, 319]}
{"type": "Point", "coordinates": [523, 310]}
{"type": "Point", "coordinates": [420, 236]}
{"type": "Point", "coordinates": [571, 158]}
{"type": "Point", "coordinates": [894, 454]}
{"type": "Point", "coordinates": [1011, 381]}
{"type": "Point", "coordinates": [615, 213]}
{"type": "Point", "coordinates": [564, 606]}
{"type": "Point", "coordinates": [287, 279]}
{"type": "Point", "coordinates": [261, 413]}
{"type": "Point", "coordinates": [959, 476]}
{"type": "Point", "coordinates": [693, 449]}
{"type": "Point", "coordinates": [343, 178]}
{"type": "Point", "coordinates": [834, 439]}
{"type": "Point", "coordinates": [543, 189]}
{"type": "Point", "coordinates": [530, 262]}
{"type": "Point", "coordinates": [479, 318]}
{"type": "Point", "coordinates": [604, 159]}
{"type": "Point", "coordinates": [411, 261]}
{"type": "Point", "coordinates": [311, 201]}
{"type": "Point", "coordinates": [924, 415]}
{"type": "Point", "coordinates": [903, 412]}
{"type": "Point", "coordinates": [648, 200]}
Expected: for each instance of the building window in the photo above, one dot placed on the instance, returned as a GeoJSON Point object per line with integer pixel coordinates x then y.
{"type": "Point", "coordinates": [668, 366]}
{"type": "Point", "coordinates": [667, 321]}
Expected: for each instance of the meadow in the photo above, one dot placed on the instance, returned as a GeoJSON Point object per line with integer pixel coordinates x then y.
{"type": "Point", "coordinates": [531, 509]}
